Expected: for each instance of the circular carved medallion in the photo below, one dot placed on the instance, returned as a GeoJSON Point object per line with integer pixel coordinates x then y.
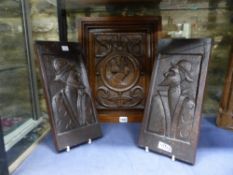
{"type": "Point", "coordinates": [120, 72]}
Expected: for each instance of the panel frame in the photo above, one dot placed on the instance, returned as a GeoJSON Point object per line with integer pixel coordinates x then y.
{"type": "Point", "coordinates": [150, 25]}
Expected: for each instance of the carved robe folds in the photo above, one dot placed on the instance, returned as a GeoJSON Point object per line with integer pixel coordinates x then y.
{"type": "Point", "coordinates": [167, 122]}
{"type": "Point", "coordinates": [173, 108]}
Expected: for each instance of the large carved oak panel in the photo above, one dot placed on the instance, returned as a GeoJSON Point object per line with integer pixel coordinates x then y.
{"type": "Point", "coordinates": [120, 52]}
{"type": "Point", "coordinates": [225, 117]}
{"type": "Point", "coordinates": [173, 108]}
{"type": "Point", "coordinates": [71, 108]}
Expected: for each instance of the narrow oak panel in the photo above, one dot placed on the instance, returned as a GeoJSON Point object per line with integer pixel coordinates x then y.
{"type": "Point", "coordinates": [173, 109]}
{"type": "Point", "coordinates": [71, 108]}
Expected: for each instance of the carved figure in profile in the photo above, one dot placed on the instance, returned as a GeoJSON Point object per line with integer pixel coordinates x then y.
{"type": "Point", "coordinates": [172, 109]}
{"type": "Point", "coordinates": [71, 105]}
{"type": "Point", "coordinates": [120, 70]}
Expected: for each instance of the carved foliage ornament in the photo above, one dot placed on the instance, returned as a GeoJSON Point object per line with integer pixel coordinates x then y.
{"type": "Point", "coordinates": [173, 110]}
{"type": "Point", "coordinates": [118, 69]}
{"type": "Point", "coordinates": [72, 111]}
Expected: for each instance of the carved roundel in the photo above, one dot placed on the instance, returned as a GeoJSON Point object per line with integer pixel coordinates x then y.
{"type": "Point", "coordinates": [120, 72]}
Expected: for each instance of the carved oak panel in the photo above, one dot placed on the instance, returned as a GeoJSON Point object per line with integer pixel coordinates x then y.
{"type": "Point", "coordinates": [118, 80]}
{"type": "Point", "coordinates": [225, 117]}
{"type": "Point", "coordinates": [120, 52]}
{"type": "Point", "coordinates": [70, 104]}
{"type": "Point", "coordinates": [173, 109]}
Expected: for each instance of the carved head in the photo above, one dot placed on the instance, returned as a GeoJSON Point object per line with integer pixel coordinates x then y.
{"type": "Point", "coordinates": [185, 69]}
{"type": "Point", "coordinates": [75, 80]}
{"type": "Point", "coordinates": [177, 73]}
{"type": "Point", "coordinates": [61, 68]}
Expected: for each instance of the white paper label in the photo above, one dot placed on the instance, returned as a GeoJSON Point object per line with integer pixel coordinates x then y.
{"type": "Point", "coordinates": [65, 48]}
{"type": "Point", "coordinates": [123, 119]}
{"type": "Point", "coordinates": [165, 147]}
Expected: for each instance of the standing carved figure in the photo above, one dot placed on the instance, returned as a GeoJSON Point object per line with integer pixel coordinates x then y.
{"type": "Point", "coordinates": [172, 109]}
{"type": "Point", "coordinates": [71, 104]}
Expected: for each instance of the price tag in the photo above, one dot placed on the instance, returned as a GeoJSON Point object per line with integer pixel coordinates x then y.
{"type": "Point", "coordinates": [123, 119]}
{"type": "Point", "coordinates": [65, 48]}
{"type": "Point", "coordinates": [165, 147]}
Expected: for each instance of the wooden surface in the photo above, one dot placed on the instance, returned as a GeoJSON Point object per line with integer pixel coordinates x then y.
{"type": "Point", "coordinates": [225, 117]}
{"type": "Point", "coordinates": [120, 53]}
{"type": "Point", "coordinates": [174, 104]}
{"type": "Point", "coordinates": [71, 108]}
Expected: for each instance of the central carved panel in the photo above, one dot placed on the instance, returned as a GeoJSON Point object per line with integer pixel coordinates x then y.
{"type": "Point", "coordinates": [120, 53]}
{"type": "Point", "coordinates": [118, 73]}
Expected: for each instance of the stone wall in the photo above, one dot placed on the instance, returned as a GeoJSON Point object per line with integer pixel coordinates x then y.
{"type": "Point", "coordinates": [44, 26]}
{"type": "Point", "coordinates": [43, 15]}
{"type": "Point", "coordinates": [217, 25]}
{"type": "Point", "coordinates": [13, 70]}
{"type": "Point", "coordinates": [14, 87]}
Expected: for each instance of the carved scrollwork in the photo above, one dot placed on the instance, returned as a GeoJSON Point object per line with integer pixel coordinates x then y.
{"type": "Point", "coordinates": [104, 97]}
{"type": "Point", "coordinates": [115, 100]}
{"type": "Point", "coordinates": [104, 47]}
{"type": "Point", "coordinates": [136, 95]}
{"type": "Point", "coordinates": [134, 47]}
{"type": "Point", "coordinates": [118, 43]}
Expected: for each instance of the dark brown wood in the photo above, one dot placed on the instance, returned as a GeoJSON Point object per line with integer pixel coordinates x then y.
{"type": "Point", "coordinates": [173, 109]}
{"type": "Point", "coordinates": [70, 104]}
{"type": "Point", "coordinates": [225, 117]}
{"type": "Point", "coordinates": [120, 53]}
{"type": "Point", "coordinates": [3, 159]}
